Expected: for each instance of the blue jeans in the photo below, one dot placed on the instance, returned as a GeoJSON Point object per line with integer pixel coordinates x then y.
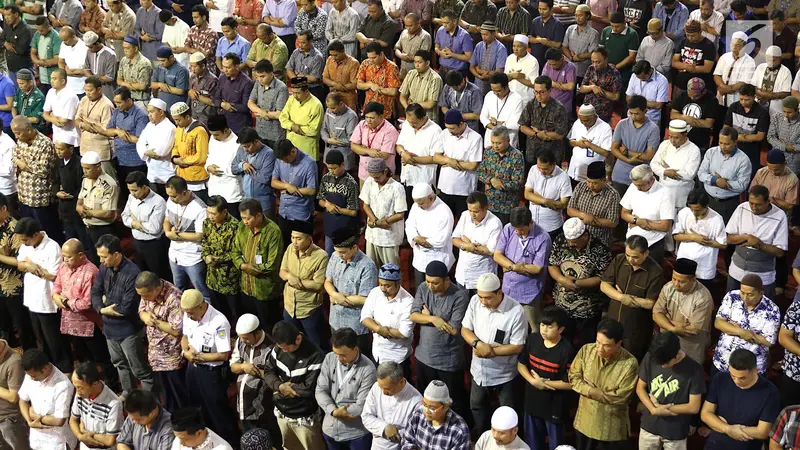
{"type": "Point", "coordinates": [329, 246]}
{"type": "Point", "coordinates": [187, 277]}
{"type": "Point", "coordinates": [314, 327]}
{"type": "Point", "coordinates": [362, 443]}
{"type": "Point", "coordinates": [536, 430]}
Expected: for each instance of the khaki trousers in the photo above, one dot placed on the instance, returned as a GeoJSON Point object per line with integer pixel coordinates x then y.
{"type": "Point", "coordinates": [650, 441]}
{"type": "Point", "coordinates": [383, 255]}
{"type": "Point", "coordinates": [299, 437]}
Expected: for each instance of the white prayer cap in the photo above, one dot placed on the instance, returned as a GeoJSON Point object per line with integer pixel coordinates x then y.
{"type": "Point", "coordinates": [774, 50]}
{"type": "Point", "coordinates": [68, 139]}
{"type": "Point", "coordinates": [587, 110]}
{"type": "Point", "coordinates": [573, 228]}
{"type": "Point", "coordinates": [247, 323]}
{"type": "Point", "coordinates": [565, 447]}
{"type": "Point", "coordinates": [740, 35]}
{"type": "Point", "coordinates": [678, 126]}
{"type": "Point", "coordinates": [521, 38]}
{"type": "Point", "coordinates": [488, 282]}
{"type": "Point", "coordinates": [197, 57]}
{"type": "Point", "coordinates": [90, 158]}
{"type": "Point", "coordinates": [421, 190]}
{"type": "Point", "coordinates": [438, 392]}
{"type": "Point", "coordinates": [504, 419]}
{"type": "Point", "coordinates": [158, 103]}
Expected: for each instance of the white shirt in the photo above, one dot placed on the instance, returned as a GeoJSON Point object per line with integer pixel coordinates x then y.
{"type": "Point", "coordinates": [771, 228]}
{"type": "Point", "coordinates": [175, 36]}
{"type": "Point", "coordinates": [63, 104]}
{"type": "Point", "coordinates": [554, 187]}
{"type": "Point", "coordinates": [150, 212]}
{"type": "Point", "coordinates": [686, 160]}
{"type": "Point", "coordinates": [529, 67]}
{"type": "Point", "coordinates": [507, 111]}
{"type": "Point", "coordinates": [471, 266]}
{"type": "Point", "coordinates": [733, 71]}
{"type": "Point", "coordinates": [507, 322]}
{"type": "Point", "coordinates": [715, 21]}
{"type": "Point", "coordinates": [783, 83]}
{"type": "Point", "coordinates": [215, 16]}
{"type": "Point", "coordinates": [655, 204]}
{"type": "Point", "coordinates": [159, 138]}
{"type": "Point", "coordinates": [50, 397]}
{"type": "Point", "coordinates": [487, 442]}
{"type": "Point", "coordinates": [213, 442]}
{"type": "Point", "coordinates": [75, 58]}
{"type": "Point", "coordinates": [423, 142]}
{"type": "Point", "coordinates": [796, 82]}
{"type": "Point", "coordinates": [381, 410]}
{"type": "Point", "coordinates": [436, 225]}
{"type": "Point", "coordinates": [38, 293]}
{"type": "Point", "coordinates": [385, 201]}
{"type": "Point", "coordinates": [599, 134]}
{"type": "Point", "coordinates": [210, 335]}
{"type": "Point", "coordinates": [393, 314]}
{"type": "Point", "coordinates": [467, 147]}
{"type": "Point", "coordinates": [221, 154]}
{"type": "Point", "coordinates": [188, 219]}
{"type": "Point", "coordinates": [8, 173]}
{"type": "Point", "coordinates": [712, 226]}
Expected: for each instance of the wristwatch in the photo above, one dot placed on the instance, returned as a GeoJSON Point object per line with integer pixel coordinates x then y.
{"type": "Point", "coordinates": [635, 219]}
{"type": "Point", "coordinates": [475, 343]}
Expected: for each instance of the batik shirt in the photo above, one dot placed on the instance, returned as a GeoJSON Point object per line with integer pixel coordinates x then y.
{"type": "Point", "coordinates": [588, 263]}
{"type": "Point", "coordinates": [164, 350]}
{"type": "Point", "coordinates": [791, 322]}
{"type": "Point", "coordinates": [387, 76]}
{"type": "Point", "coordinates": [10, 277]}
{"type": "Point", "coordinates": [35, 184]}
{"type": "Point", "coordinates": [610, 80]}
{"type": "Point", "coordinates": [223, 276]}
{"type": "Point", "coordinates": [764, 319]}
{"type": "Point", "coordinates": [508, 168]}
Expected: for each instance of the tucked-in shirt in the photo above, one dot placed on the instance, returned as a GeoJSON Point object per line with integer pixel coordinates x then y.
{"type": "Point", "coordinates": [303, 174]}
{"type": "Point", "coordinates": [425, 141]}
{"type": "Point", "coordinates": [764, 320]}
{"type": "Point", "coordinates": [655, 204]}
{"type": "Point", "coordinates": [262, 250]}
{"type": "Point", "coordinates": [533, 249]}
{"type": "Point", "coordinates": [771, 228]}
{"type": "Point", "coordinates": [384, 201]}
{"type": "Point", "coordinates": [38, 292]}
{"type": "Point", "coordinates": [603, 204]}
{"type": "Point", "coordinates": [735, 168]}
{"type": "Point", "coordinates": [186, 218]}
{"type": "Point", "coordinates": [218, 241]}
{"type": "Point", "coordinates": [96, 112]}
{"type": "Point", "coordinates": [271, 98]}
{"type": "Point", "coordinates": [486, 233]}
{"type": "Point", "coordinates": [712, 227]}
{"type": "Point", "coordinates": [394, 313]}
{"type": "Point", "coordinates": [310, 264]}
{"type": "Point", "coordinates": [210, 334]}
{"type": "Point", "coordinates": [164, 352]}
{"type": "Point", "coordinates": [76, 285]}
{"type": "Point", "coordinates": [160, 138]}
{"type": "Point", "coordinates": [436, 225]}
{"type": "Point", "coordinates": [50, 397]}
{"type": "Point", "coordinates": [580, 264]}
{"type": "Point", "coordinates": [357, 277]}
{"type": "Point", "coordinates": [696, 308]}
{"type": "Point", "coordinates": [555, 187]}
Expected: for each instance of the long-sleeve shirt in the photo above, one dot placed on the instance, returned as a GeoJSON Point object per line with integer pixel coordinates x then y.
{"type": "Point", "coordinates": [76, 285]}
{"type": "Point", "coordinates": [617, 378]}
{"type": "Point", "coordinates": [344, 385]}
{"type": "Point", "coordinates": [118, 287]}
{"type": "Point", "coordinates": [735, 168]}
{"type": "Point", "coordinates": [507, 110]}
{"type": "Point", "coordinates": [147, 21]}
{"type": "Point", "coordinates": [452, 434]}
{"type": "Point", "coordinates": [159, 137]}
{"type": "Point", "coordinates": [149, 212]}
{"type": "Point", "coordinates": [258, 184]}
{"type": "Point", "coordinates": [235, 91]}
{"type": "Point", "coordinates": [674, 22]}
{"type": "Point", "coordinates": [436, 225]}
{"type": "Point", "coordinates": [308, 265]}
{"type": "Point", "coordinates": [31, 105]}
{"type": "Point", "coordinates": [685, 160]}
{"type": "Point", "coordinates": [261, 249]}
{"type": "Point", "coordinates": [381, 410]}
{"type": "Point", "coordinates": [344, 26]}
{"type": "Point", "coordinates": [308, 115]}
{"type": "Point", "coordinates": [35, 182]}
{"type": "Point", "coordinates": [301, 369]}
{"type": "Point", "coordinates": [191, 145]}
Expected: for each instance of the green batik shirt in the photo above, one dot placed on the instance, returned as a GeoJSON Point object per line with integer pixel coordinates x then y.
{"type": "Point", "coordinates": [222, 277]}
{"type": "Point", "coordinates": [264, 251]}
{"type": "Point", "coordinates": [31, 105]}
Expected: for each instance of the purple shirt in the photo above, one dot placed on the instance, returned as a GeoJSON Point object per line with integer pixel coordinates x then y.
{"type": "Point", "coordinates": [567, 74]}
{"type": "Point", "coordinates": [283, 9]}
{"type": "Point", "coordinates": [535, 249]}
{"type": "Point", "coordinates": [459, 42]}
{"type": "Point", "coordinates": [236, 92]}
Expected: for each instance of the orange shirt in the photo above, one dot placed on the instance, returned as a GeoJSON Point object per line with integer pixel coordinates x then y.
{"type": "Point", "coordinates": [385, 75]}
{"type": "Point", "coordinates": [344, 73]}
{"type": "Point", "coordinates": [248, 9]}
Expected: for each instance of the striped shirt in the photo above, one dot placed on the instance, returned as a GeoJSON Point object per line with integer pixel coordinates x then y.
{"type": "Point", "coordinates": [581, 41]}
{"type": "Point", "coordinates": [102, 415]}
{"type": "Point", "coordinates": [782, 132]}
{"type": "Point", "coordinates": [422, 88]}
{"type": "Point", "coordinates": [566, 19]}
{"type": "Point", "coordinates": [785, 430]}
{"type": "Point", "coordinates": [344, 26]}
{"type": "Point", "coordinates": [515, 22]}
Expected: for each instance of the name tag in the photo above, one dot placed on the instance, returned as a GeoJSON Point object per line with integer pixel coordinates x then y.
{"type": "Point", "coordinates": [259, 259]}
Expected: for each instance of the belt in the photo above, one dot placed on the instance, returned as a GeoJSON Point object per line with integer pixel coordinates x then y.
{"type": "Point", "coordinates": [722, 200]}
{"type": "Point", "coordinates": [207, 367]}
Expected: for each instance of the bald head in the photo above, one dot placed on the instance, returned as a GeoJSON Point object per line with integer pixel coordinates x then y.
{"type": "Point", "coordinates": [72, 251]}
{"type": "Point", "coordinates": [72, 245]}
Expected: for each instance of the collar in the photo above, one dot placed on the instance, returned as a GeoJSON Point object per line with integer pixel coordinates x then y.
{"type": "Point", "coordinates": [353, 363]}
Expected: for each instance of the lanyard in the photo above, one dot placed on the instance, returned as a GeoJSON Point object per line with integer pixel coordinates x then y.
{"type": "Point", "coordinates": [500, 108]}
{"type": "Point", "coordinates": [349, 374]}
{"type": "Point", "coordinates": [374, 134]}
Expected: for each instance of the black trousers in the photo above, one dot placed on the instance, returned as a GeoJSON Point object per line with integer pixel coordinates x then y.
{"type": "Point", "coordinates": [160, 189]}
{"type": "Point", "coordinates": [75, 229]}
{"type": "Point", "coordinates": [454, 380]}
{"type": "Point", "coordinates": [269, 311]}
{"type": "Point", "coordinates": [790, 391]}
{"type": "Point", "coordinates": [152, 256]}
{"type": "Point", "coordinates": [228, 305]}
{"type": "Point", "coordinates": [233, 209]}
{"type": "Point", "coordinates": [289, 40]}
{"type": "Point", "coordinates": [96, 232]}
{"type": "Point", "coordinates": [94, 348]}
{"type": "Point", "coordinates": [286, 230]}
{"type": "Point", "coordinates": [207, 389]}
{"type": "Point", "coordinates": [15, 317]}
{"type": "Point", "coordinates": [456, 203]}
{"type": "Point", "coordinates": [173, 388]}
{"type": "Point", "coordinates": [13, 205]}
{"type": "Point", "coordinates": [47, 216]}
{"type": "Point", "coordinates": [586, 443]}
{"type": "Point", "coordinates": [47, 329]}
{"type": "Point", "coordinates": [268, 422]}
{"type": "Point", "coordinates": [122, 176]}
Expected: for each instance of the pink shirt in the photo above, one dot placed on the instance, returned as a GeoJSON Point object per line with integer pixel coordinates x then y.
{"type": "Point", "coordinates": [602, 8]}
{"type": "Point", "coordinates": [164, 351]}
{"type": "Point", "coordinates": [76, 285]}
{"type": "Point", "coordinates": [384, 138]}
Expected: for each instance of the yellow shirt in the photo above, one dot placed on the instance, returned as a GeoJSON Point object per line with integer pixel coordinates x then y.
{"type": "Point", "coordinates": [308, 115]}
{"type": "Point", "coordinates": [616, 377]}
{"type": "Point", "coordinates": [309, 265]}
{"type": "Point", "coordinates": [192, 146]}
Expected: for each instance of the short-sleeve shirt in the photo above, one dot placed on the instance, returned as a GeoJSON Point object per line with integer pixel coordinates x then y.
{"type": "Point", "coordinates": [554, 187]}
{"type": "Point", "coordinates": [102, 414]}
{"type": "Point", "coordinates": [437, 349]}
{"type": "Point", "coordinates": [50, 397]}
{"type": "Point", "coordinates": [706, 107]}
{"type": "Point", "coordinates": [385, 201]}
{"type": "Point", "coordinates": [301, 173]}
{"type": "Point", "coordinates": [164, 352]}
{"type": "Point", "coordinates": [671, 385]}
{"type": "Point", "coordinates": [655, 204]}
{"type": "Point", "coordinates": [551, 363]}
{"type": "Point", "coordinates": [694, 53]}
{"type": "Point", "coordinates": [785, 430]}
{"type": "Point", "coordinates": [589, 262]}
{"type": "Point", "coordinates": [619, 47]}
{"type": "Point", "coordinates": [102, 193]}
{"type": "Point", "coordinates": [636, 140]}
{"type": "Point", "coordinates": [791, 323]}
{"type": "Point", "coordinates": [551, 29]}
{"type": "Point", "coordinates": [211, 334]}
{"type": "Point", "coordinates": [748, 407]}
{"type": "Point", "coordinates": [357, 277]}
{"type": "Point", "coordinates": [186, 218]}
{"type": "Point", "coordinates": [764, 319]}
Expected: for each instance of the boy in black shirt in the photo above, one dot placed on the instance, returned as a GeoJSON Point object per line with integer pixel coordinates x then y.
{"type": "Point", "coordinates": [671, 387]}
{"type": "Point", "coordinates": [751, 120]}
{"type": "Point", "coordinates": [545, 366]}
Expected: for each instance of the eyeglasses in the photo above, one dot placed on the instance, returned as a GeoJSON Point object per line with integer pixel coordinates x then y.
{"type": "Point", "coordinates": [431, 408]}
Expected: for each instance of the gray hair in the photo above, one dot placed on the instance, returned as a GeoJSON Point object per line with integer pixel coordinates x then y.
{"type": "Point", "coordinates": [390, 369]}
{"type": "Point", "coordinates": [642, 172]}
{"type": "Point", "coordinates": [22, 122]}
{"type": "Point", "coordinates": [500, 131]}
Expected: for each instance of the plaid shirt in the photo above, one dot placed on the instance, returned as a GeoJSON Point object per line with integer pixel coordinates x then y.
{"type": "Point", "coordinates": [604, 205]}
{"type": "Point", "coordinates": [610, 80]}
{"type": "Point", "coordinates": [508, 168]}
{"type": "Point", "coordinates": [782, 132]}
{"type": "Point", "coordinates": [35, 183]}
{"type": "Point", "coordinates": [785, 429]}
{"type": "Point", "coordinates": [453, 434]}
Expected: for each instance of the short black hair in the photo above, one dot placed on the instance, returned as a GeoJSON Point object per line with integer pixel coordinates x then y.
{"type": "Point", "coordinates": [499, 78]}
{"type": "Point", "coordinates": [247, 135]}
{"type": "Point", "coordinates": [617, 17]}
{"type": "Point", "coordinates": [27, 226]}
{"type": "Point", "coordinates": [611, 329]}
{"type": "Point", "coordinates": [553, 54]}
{"type": "Point", "coordinates": [217, 202]}
{"type": "Point", "coordinates": [177, 184]}
{"type": "Point", "coordinates": [217, 122]}
{"type": "Point", "coordinates": [109, 242]}
{"type": "Point", "coordinates": [520, 216]}
{"type": "Point", "coordinates": [233, 57]}
{"type": "Point", "coordinates": [138, 178]}
{"type": "Point", "coordinates": [147, 280]}
{"type": "Point", "coordinates": [742, 359]}
{"type": "Point", "coordinates": [34, 359]}
{"type": "Point", "coordinates": [200, 9]}
{"type": "Point", "coordinates": [757, 190]}
{"type": "Point", "coordinates": [545, 80]}
{"type": "Point", "coordinates": [664, 347]}
{"type": "Point", "coordinates": [739, 6]}
{"type": "Point", "coordinates": [334, 157]}
{"type": "Point", "coordinates": [336, 46]}
{"type": "Point", "coordinates": [748, 90]}
{"type": "Point", "coordinates": [554, 315]}
{"type": "Point", "coordinates": [140, 402]}
{"type": "Point", "coordinates": [424, 54]}
{"type": "Point", "coordinates": [229, 22]}
{"type": "Point", "coordinates": [546, 156]}
{"type": "Point", "coordinates": [637, 102]}
{"type": "Point", "coordinates": [374, 107]}
{"type": "Point", "coordinates": [642, 66]}
{"type": "Point", "coordinates": [89, 372]}
{"type": "Point", "coordinates": [344, 337]}
{"type": "Point", "coordinates": [602, 51]}
{"type": "Point", "coordinates": [284, 147]}
{"type": "Point", "coordinates": [698, 197]}
{"type": "Point", "coordinates": [123, 92]}
{"type": "Point", "coordinates": [373, 47]}
{"type": "Point", "coordinates": [416, 110]}
{"type": "Point", "coordinates": [308, 35]}
{"type": "Point", "coordinates": [285, 333]}
{"type": "Point", "coordinates": [251, 205]}
{"type": "Point", "coordinates": [13, 8]}
{"type": "Point", "coordinates": [636, 242]}
{"type": "Point", "coordinates": [477, 197]}
{"type": "Point", "coordinates": [165, 15]}
{"type": "Point", "coordinates": [777, 15]}
{"type": "Point", "coordinates": [450, 14]}
{"type": "Point", "coordinates": [730, 132]}
{"type": "Point", "coordinates": [453, 78]}
{"type": "Point", "coordinates": [40, 20]}
{"type": "Point", "coordinates": [188, 420]}
{"type": "Point", "coordinates": [264, 66]}
{"type": "Point", "coordinates": [549, 3]}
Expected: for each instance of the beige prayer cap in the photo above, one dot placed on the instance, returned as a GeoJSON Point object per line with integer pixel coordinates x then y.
{"type": "Point", "coordinates": [654, 25]}
{"type": "Point", "coordinates": [584, 7]}
{"type": "Point", "coordinates": [197, 57]}
{"type": "Point", "coordinates": [191, 298]}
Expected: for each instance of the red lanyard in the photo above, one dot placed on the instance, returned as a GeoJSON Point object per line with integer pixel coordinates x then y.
{"type": "Point", "coordinates": [374, 135]}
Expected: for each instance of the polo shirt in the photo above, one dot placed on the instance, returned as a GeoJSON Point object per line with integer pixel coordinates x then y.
{"type": "Point", "coordinates": [425, 141]}
{"type": "Point", "coordinates": [619, 46]}
{"type": "Point", "coordinates": [551, 29]}
{"type": "Point", "coordinates": [158, 437]}
{"type": "Point", "coordinates": [654, 204]}
{"type": "Point", "coordinates": [303, 174]}
{"type": "Point", "coordinates": [566, 74]}
{"type": "Point", "coordinates": [771, 228]}
{"type": "Point", "coordinates": [505, 325]}
{"type": "Point", "coordinates": [102, 414]}
{"type": "Point", "coordinates": [50, 397]}
{"type": "Point", "coordinates": [384, 201]}
{"type": "Point", "coordinates": [435, 224]}
{"type": "Point", "coordinates": [466, 147]}
{"type": "Point", "coordinates": [75, 58]}
{"type": "Point", "coordinates": [599, 134]}
{"type": "Point", "coordinates": [63, 104]}
{"type": "Point", "coordinates": [394, 313]}
{"type": "Point", "coordinates": [37, 293]}
{"type": "Point", "coordinates": [712, 226]}
{"type": "Point", "coordinates": [654, 89]}
{"type": "Point", "coordinates": [211, 334]}
{"type": "Point", "coordinates": [186, 218]}
{"type": "Point", "coordinates": [555, 187]}
{"type": "Point", "coordinates": [471, 266]}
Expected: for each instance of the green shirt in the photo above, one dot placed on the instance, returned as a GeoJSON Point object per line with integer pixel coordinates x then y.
{"type": "Point", "coordinates": [223, 276]}
{"type": "Point", "coordinates": [31, 105]}
{"type": "Point", "coordinates": [49, 49]}
{"type": "Point", "coordinates": [262, 250]}
{"type": "Point", "coordinates": [618, 46]}
{"type": "Point", "coordinates": [276, 52]}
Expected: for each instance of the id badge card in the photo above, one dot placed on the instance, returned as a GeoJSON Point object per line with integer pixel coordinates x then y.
{"type": "Point", "coordinates": [259, 259]}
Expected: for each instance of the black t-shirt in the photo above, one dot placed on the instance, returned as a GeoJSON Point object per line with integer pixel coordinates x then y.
{"type": "Point", "coordinates": [697, 53]}
{"type": "Point", "coordinates": [551, 363]}
{"type": "Point", "coordinates": [760, 403]}
{"type": "Point", "coordinates": [707, 107]}
{"type": "Point", "coordinates": [754, 121]}
{"type": "Point", "coordinates": [672, 385]}
{"type": "Point", "coordinates": [637, 12]}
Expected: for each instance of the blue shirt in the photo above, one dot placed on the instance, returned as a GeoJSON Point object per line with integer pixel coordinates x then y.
{"type": "Point", "coordinates": [497, 55]}
{"type": "Point", "coordinates": [303, 174]}
{"type": "Point", "coordinates": [240, 46]}
{"type": "Point", "coordinates": [7, 89]}
{"type": "Point", "coordinates": [673, 23]}
{"type": "Point", "coordinates": [283, 9]}
{"type": "Point", "coordinates": [132, 121]}
{"type": "Point", "coordinates": [533, 249]}
{"type": "Point", "coordinates": [655, 89]}
{"type": "Point", "coordinates": [358, 277]}
{"type": "Point", "coordinates": [176, 76]}
{"type": "Point", "coordinates": [735, 168]}
{"type": "Point", "coordinates": [257, 185]}
{"type": "Point", "coordinates": [552, 30]}
{"type": "Point", "coordinates": [635, 140]}
{"type": "Point", "coordinates": [459, 42]}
